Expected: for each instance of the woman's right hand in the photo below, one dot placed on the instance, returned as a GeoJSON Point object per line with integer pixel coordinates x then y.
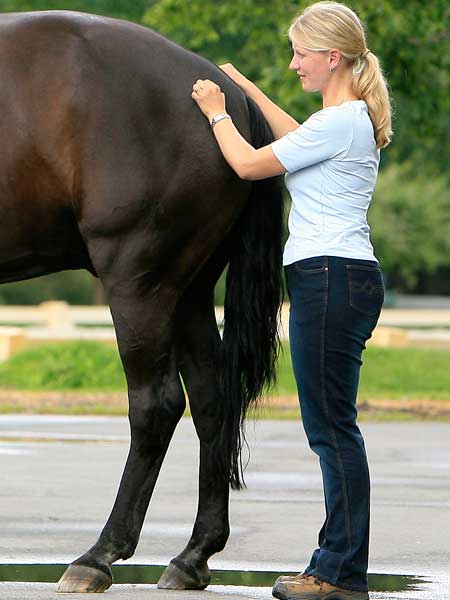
{"type": "Point", "coordinates": [235, 75]}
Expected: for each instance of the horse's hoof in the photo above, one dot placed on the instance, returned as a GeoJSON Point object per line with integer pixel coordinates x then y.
{"type": "Point", "coordinates": [83, 580]}
{"type": "Point", "coordinates": [174, 578]}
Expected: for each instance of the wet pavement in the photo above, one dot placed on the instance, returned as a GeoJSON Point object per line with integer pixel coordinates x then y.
{"type": "Point", "coordinates": [60, 476]}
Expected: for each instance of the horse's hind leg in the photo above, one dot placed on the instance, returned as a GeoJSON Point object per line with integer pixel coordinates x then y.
{"type": "Point", "coordinates": [198, 349]}
{"type": "Point", "coordinates": [144, 327]}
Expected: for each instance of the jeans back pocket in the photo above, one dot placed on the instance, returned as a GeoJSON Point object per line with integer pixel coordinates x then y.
{"type": "Point", "coordinates": [365, 288]}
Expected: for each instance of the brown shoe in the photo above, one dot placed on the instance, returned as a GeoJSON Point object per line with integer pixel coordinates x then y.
{"type": "Point", "coordinates": [290, 578]}
{"type": "Point", "coordinates": [308, 587]}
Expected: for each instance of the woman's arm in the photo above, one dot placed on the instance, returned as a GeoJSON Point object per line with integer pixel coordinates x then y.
{"type": "Point", "coordinates": [245, 160]}
{"type": "Point", "coordinates": [279, 121]}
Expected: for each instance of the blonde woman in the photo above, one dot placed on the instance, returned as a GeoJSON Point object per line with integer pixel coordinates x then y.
{"type": "Point", "coordinates": [334, 280]}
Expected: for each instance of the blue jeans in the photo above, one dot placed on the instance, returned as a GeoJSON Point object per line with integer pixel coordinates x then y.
{"type": "Point", "coordinates": [335, 305]}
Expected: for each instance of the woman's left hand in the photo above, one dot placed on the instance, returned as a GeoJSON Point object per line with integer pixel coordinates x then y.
{"type": "Point", "coordinates": [209, 97]}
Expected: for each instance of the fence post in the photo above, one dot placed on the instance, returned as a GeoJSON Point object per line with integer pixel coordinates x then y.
{"type": "Point", "coordinates": [12, 339]}
{"type": "Point", "coordinates": [56, 315]}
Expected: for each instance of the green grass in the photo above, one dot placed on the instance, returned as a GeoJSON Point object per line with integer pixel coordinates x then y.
{"type": "Point", "coordinates": [69, 366]}
{"type": "Point", "coordinates": [406, 372]}
{"type": "Point", "coordinates": [388, 373]}
{"type": "Point", "coordinates": [394, 373]}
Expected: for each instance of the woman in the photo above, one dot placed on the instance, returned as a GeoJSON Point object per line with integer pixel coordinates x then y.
{"type": "Point", "coordinates": [334, 280]}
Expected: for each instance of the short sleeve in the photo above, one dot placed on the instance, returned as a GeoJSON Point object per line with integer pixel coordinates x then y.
{"type": "Point", "coordinates": [324, 135]}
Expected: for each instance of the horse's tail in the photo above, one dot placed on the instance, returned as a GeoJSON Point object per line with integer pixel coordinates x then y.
{"type": "Point", "coordinates": [252, 303]}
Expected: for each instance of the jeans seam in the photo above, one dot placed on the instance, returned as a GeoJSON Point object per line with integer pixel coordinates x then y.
{"type": "Point", "coordinates": [330, 426]}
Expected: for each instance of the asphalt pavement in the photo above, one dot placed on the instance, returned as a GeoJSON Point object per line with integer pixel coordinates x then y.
{"type": "Point", "coordinates": [60, 476]}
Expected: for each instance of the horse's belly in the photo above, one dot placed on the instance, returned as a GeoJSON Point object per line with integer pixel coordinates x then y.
{"type": "Point", "coordinates": [33, 244]}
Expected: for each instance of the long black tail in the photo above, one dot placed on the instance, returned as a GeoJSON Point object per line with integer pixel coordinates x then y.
{"type": "Point", "coordinates": [252, 303]}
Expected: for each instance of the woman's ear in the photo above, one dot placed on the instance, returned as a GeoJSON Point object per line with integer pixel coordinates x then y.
{"type": "Point", "coordinates": [333, 58]}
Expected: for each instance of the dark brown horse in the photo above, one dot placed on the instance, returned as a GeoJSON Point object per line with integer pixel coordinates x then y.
{"type": "Point", "coordinates": [106, 164]}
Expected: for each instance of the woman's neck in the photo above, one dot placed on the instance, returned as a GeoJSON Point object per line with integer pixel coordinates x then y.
{"type": "Point", "coordinates": [339, 89]}
{"type": "Point", "coordinates": [336, 100]}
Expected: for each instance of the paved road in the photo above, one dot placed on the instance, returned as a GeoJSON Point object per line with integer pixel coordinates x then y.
{"type": "Point", "coordinates": [60, 476]}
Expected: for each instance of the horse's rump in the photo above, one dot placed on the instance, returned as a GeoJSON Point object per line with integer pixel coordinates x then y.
{"type": "Point", "coordinates": [98, 114]}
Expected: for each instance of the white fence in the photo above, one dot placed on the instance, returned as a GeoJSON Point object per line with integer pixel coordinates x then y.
{"type": "Point", "coordinates": [23, 326]}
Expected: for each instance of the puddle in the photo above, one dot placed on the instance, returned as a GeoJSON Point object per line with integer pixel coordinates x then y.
{"type": "Point", "coordinates": [150, 574]}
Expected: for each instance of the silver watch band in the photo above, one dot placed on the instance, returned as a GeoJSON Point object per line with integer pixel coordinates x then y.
{"type": "Point", "coordinates": [218, 118]}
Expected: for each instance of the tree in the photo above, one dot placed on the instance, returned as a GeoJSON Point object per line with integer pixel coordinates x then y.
{"type": "Point", "coordinates": [132, 10]}
{"type": "Point", "coordinates": [410, 219]}
{"type": "Point", "coordinates": [75, 287]}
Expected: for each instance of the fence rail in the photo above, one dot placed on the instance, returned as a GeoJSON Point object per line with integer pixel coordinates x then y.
{"type": "Point", "coordinates": [24, 326]}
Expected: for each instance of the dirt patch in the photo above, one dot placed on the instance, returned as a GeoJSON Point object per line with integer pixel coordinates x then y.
{"type": "Point", "coordinates": [76, 402]}
{"type": "Point", "coordinates": [117, 403]}
{"type": "Point", "coordinates": [422, 407]}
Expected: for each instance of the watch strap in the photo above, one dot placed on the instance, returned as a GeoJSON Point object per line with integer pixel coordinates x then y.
{"type": "Point", "coordinates": [218, 118]}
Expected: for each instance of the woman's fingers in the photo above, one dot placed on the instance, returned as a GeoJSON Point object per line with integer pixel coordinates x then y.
{"type": "Point", "coordinates": [229, 70]}
{"type": "Point", "coordinates": [208, 96]}
{"type": "Point", "coordinates": [233, 73]}
{"type": "Point", "coordinates": [205, 87]}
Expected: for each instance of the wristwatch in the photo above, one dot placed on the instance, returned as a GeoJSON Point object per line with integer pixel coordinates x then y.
{"type": "Point", "coordinates": [218, 118]}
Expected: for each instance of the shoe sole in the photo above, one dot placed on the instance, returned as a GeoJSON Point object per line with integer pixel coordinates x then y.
{"type": "Point", "coordinates": [347, 595]}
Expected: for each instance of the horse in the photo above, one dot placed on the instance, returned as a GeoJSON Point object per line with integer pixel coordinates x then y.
{"type": "Point", "coordinates": [107, 165]}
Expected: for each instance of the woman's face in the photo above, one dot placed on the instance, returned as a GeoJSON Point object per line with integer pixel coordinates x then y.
{"type": "Point", "coordinates": [311, 67]}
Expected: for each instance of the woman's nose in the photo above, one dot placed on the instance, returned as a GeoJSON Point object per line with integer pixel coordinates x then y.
{"type": "Point", "coordinates": [294, 64]}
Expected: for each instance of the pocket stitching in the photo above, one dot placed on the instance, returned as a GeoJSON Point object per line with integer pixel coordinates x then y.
{"type": "Point", "coordinates": [317, 270]}
{"type": "Point", "coordinates": [376, 291]}
{"type": "Point", "coordinates": [364, 268]}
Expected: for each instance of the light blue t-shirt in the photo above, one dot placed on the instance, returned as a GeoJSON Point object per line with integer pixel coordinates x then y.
{"type": "Point", "coordinates": [332, 165]}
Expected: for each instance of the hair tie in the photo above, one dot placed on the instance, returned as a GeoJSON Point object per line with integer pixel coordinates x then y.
{"type": "Point", "coordinates": [364, 54]}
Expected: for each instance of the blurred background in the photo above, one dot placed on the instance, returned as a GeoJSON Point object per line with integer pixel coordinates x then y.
{"type": "Point", "coordinates": [410, 212]}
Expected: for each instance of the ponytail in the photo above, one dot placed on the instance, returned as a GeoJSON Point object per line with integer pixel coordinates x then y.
{"type": "Point", "coordinates": [370, 85]}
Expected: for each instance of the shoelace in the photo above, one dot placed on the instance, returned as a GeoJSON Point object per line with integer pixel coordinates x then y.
{"type": "Point", "coordinates": [317, 581]}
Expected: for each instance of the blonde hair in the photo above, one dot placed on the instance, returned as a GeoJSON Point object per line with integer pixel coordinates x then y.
{"type": "Point", "coordinates": [326, 25]}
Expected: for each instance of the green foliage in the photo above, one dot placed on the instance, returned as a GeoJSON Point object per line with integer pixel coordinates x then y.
{"type": "Point", "coordinates": [82, 366]}
{"type": "Point", "coordinates": [410, 219]}
{"type": "Point", "coordinates": [413, 43]}
{"type": "Point", "coordinates": [75, 287]}
{"type": "Point", "coordinates": [124, 9]}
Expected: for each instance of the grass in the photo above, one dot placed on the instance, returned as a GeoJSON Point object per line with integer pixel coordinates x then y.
{"type": "Point", "coordinates": [395, 375]}
{"type": "Point", "coordinates": [68, 366]}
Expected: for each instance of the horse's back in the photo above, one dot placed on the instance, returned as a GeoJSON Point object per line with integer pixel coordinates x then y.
{"type": "Point", "coordinates": [100, 112]}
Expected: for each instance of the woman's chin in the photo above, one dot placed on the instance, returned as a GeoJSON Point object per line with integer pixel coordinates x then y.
{"type": "Point", "coordinates": [306, 87]}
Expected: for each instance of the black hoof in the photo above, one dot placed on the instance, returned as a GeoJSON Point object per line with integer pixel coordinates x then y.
{"type": "Point", "coordinates": [177, 578]}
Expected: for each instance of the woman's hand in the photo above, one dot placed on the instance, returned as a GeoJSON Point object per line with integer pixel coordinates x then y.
{"type": "Point", "coordinates": [209, 97]}
{"type": "Point", "coordinates": [234, 74]}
